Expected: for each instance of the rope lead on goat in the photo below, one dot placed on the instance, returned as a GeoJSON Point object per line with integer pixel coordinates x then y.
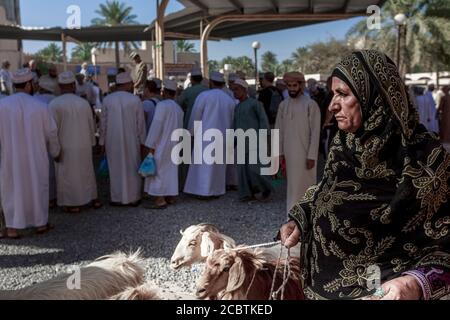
{"type": "Point", "coordinates": [286, 275]}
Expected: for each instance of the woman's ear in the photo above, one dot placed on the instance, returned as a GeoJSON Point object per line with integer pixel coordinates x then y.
{"type": "Point", "coordinates": [236, 275]}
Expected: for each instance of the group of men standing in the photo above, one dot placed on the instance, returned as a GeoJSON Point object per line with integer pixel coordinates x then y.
{"type": "Point", "coordinates": [46, 152]}
{"type": "Point", "coordinates": [42, 131]}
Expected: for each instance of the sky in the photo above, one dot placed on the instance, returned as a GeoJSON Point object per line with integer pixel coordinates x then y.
{"type": "Point", "coordinates": [51, 13]}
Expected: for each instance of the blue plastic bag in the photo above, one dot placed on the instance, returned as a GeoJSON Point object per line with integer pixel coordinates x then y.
{"type": "Point", "coordinates": [103, 170]}
{"type": "Point", "coordinates": [148, 167]}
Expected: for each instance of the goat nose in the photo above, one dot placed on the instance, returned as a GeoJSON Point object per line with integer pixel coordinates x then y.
{"type": "Point", "coordinates": [175, 263]}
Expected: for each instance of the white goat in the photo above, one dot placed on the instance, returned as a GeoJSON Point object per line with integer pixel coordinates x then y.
{"type": "Point", "coordinates": [102, 279]}
{"type": "Point", "coordinates": [199, 241]}
{"type": "Point", "coordinates": [142, 292]}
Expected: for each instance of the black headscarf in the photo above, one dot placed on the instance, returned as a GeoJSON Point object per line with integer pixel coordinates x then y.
{"type": "Point", "coordinates": [384, 197]}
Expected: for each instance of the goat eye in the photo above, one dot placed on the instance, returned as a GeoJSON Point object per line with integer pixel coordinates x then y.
{"type": "Point", "coordinates": [226, 269]}
{"type": "Point", "coordinates": [192, 244]}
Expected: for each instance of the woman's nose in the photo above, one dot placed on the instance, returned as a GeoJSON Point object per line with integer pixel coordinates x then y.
{"type": "Point", "coordinates": [334, 107]}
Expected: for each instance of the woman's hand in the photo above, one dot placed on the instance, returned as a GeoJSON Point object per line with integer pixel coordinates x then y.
{"type": "Point", "coordinates": [290, 234]}
{"type": "Point", "coordinates": [402, 288]}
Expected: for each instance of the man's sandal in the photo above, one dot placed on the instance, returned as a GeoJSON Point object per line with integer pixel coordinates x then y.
{"type": "Point", "coordinates": [5, 235]}
{"type": "Point", "coordinates": [156, 207]}
{"type": "Point", "coordinates": [45, 229]}
{"type": "Point", "coordinates": [96, 204]}
{"type": "Point", "coordinates": [73, 210]}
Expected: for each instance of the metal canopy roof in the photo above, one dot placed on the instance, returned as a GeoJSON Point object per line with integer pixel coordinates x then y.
{"type": "Point", "coordinates": [188, 20]}
{"type": "Point", "coordinates": [185, 24]}
{"type": "Point", "coordinates": [85, 34]}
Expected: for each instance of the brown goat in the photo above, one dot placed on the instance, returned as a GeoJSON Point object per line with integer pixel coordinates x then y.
{"type": "Point", "coordinates": [242, 274]}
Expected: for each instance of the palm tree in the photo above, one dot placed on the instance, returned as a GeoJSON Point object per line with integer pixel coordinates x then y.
{"type": "Point", "coordinates": [286, 65]}
{"type": "Point", "coordinates": [115, 13]}
{"type": "Point", "coordinates": [227, 60]}
{"type": "Point", "coordinates": [184, 46]}
{"type": "Point", "coordinates": [300, 58]}
{"type": "Point", "coordinates": [82, 52]}
{"type": "Point", "coordinates": [213, 65]}
{"type": "Point", "coordinates": [244, 64]}
{"type": "Point", "coordinates": [427, 30]}
{"type": "Point", "coordinates": [269, 62]}
{"type": "Point", "coordinates": [51, 53]}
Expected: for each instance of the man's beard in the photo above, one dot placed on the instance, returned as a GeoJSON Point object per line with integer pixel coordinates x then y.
{"type": "Point", "coordinates": [295, 94]}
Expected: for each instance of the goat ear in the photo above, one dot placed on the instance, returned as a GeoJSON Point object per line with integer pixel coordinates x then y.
{"type": "Point", "coordinates": [207, 245]}
{"type": "Point", "coordinates": [236, 275]}
{"type": "Point", "coordinates": [181, 232]}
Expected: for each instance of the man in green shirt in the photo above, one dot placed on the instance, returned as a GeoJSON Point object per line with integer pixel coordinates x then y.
{"type": "Point", "coordinates": [187, 99]}
{"type": "Point", "coordinates": [250, 115]}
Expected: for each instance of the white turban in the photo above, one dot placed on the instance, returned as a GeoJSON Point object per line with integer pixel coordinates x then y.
{"type": "Point", "coordinates": [22, 76]}
{"type": "Point", "coordinates": [67, 77]}
{"type": "Point", "coordinates": [170, 85]}
{"type": "Point", "coordinates": [123, 78]}
{"type": "Point", "coordinates": [241, 83]}
{"type": "Point", "coordinates": [217, 76]}
{"type": "Point", "coordinates": [196, 71]}
{"type": "Point", "coordinates": [158, 83]}
{"type": "Point", "coordinates": [47, 84]}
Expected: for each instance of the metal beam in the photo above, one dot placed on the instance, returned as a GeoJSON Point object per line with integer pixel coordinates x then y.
{"type": "Point", "coordinates": [345, 6]}
{"type": "Point", "coordinates": [190, 36]}
{"type": "Point", "coordinates": [192, 25]}
{"type": "Point", "coordinates": [64, 50]}
{"type": "Point", "coordinates": [261, 17]}
{"type": "Point", "coordinates": [159, 33]}
{"type": "Point", "coordinates": [183, 20]}
{"type": "Point", "coordinates": [257, 28]}
{"type": "Point", "coordinates": [237, 5]}
{"type": "Point", "coordinates": [311, 6]}
{"type": "Point", "coordinates": [200, 5]}
{"type": "Point", "coordinates": [275, 6]}
{"type": "Point", "coordinates": [237, 23]}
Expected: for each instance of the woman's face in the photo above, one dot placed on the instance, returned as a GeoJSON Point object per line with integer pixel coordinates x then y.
{"type": "Point", "coordinates": [345, 107]}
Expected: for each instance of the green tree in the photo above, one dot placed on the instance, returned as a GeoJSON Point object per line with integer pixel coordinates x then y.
{"type": "Point", "coordinates": [245, 65]}
{"type": "Point", "coordinates": [286, 65]}
{"type": "Point", "coordinates": [299, 58]}
{"type": "Point", "coordinates": [213, 65]}
{"type": "Point", "coordinates": [82, 52]}
{"type": "Point", "coordinates": [115, 13]}
{"type": "Point", "coordinates": [242, 63]}
{"type": "Point", "coordinates": [320, 57]}
{"type": "Point", "coordinates": [227, 60]}
{"type": "Point", "coordinates": [184, 46]}
{"type": "Point", "coordinates": [51, 53]}
{"type": "Point", "coordinates": [427, 33]}
{"type": "Point", "coordinates": [269, 62]}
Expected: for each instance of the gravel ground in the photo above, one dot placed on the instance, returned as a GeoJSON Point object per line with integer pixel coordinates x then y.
{"type": "Point", "coordinates": [80, 239]}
